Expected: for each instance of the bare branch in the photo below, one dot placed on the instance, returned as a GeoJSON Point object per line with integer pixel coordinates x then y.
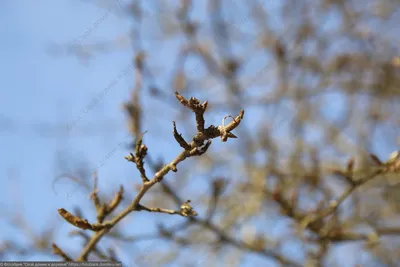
{"type": "Point", "coordinates": [58, 251]}
{"type": "Point", "coordinates": [198, 148]}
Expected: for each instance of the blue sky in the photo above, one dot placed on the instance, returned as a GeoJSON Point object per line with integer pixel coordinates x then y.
{"type": "Point", "coordinates": [43, 93]}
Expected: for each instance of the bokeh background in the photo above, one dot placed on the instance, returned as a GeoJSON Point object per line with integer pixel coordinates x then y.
{"type": "Point", "coordinates": [319, 81]}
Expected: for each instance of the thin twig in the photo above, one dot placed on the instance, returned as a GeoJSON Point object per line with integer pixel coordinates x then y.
{"type": "Point", "coordinates": [197, 148]}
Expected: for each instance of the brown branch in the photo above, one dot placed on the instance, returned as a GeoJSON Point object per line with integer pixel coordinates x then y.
{"type": "Point", "coordinates": [138, 158]}
{"type": "Point", "coordinates": [96, 251]}
{"type": "Point", "coordinates": [81, 223]}
{"type": "Point", "coordinates": [100, 209]}
{"type": "Point", "coordinates": [196, 107]}
{"type": "Point", "coordinates": [58, 251]}
{"type": "Point", "coordinates": [224, 237]}
{"type": "Point", "coordinates": [343, 236]}
{"type": "Point", "coordinates": [185, 211]}
{"type": "Point", "coordinates": [179, 138]}
{"type": "Point", "coordinates": [119, 196]}
{"type": "Point", "coordinates": [333, 206]}
{"type": "Point", "coordinates": [197, 148]}
{"type": "Point", "coordinates": [243, 245]}
{"type": "Point", "coordinates": [160, 210]}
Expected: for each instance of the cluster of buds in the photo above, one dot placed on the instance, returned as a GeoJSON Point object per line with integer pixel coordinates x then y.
{"type": "Point", "coordinates": [187, 210]}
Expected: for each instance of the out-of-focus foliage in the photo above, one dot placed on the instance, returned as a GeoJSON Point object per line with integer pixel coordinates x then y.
{"type": "Point", "coordinates": [320, 83]}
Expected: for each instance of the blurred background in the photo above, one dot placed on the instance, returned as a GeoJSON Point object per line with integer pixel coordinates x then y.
{"type": "Point", "coordinates": [319, 81]}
